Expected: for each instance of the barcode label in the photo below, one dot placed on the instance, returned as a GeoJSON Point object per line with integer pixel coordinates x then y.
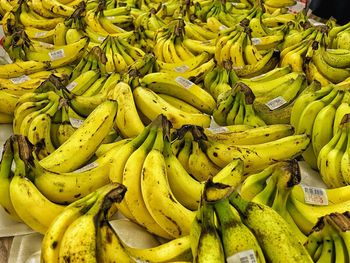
{"type": "Point", "coordinates": [315, 195]}
{"type": "Point", "coordinates": [315, 23]}
{"type": "Point", "coordinates": [110, 17]}
{"type": "Point", "coordinates": [40, 34]}
{"type": "Point", "coordinates": [181, 69]}
{"type": "Point", "coordinates": [235, 4]}
{"type": "Point", "coordinates": [20, 79]}
{"type": "Point", "coordinates": [101, 39]}
{"type": "Point", "coordinates": [247, 256]}
{"type": "Point", "coordinates": [184, 82]}
{"type": "Point", "coordinates": [86, 167]}
{"type": "Point", "coordinates": [223, 27]}
{"type": "Point", "coordinates": [256, 41]}
{"type": "Point", "coordinates": [71, 85]}
{"type": "Point", "coordinates": [76, 123]}
{"type": "Point", "coordinates": [219, 130]}
{"type": "Point", "coordinates": [57, 54]}
{"type": "Point", "coordinates": [276, 103]}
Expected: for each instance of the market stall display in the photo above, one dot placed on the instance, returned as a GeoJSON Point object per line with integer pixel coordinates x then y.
{"type": "Point", "coordinates": [192, 119]}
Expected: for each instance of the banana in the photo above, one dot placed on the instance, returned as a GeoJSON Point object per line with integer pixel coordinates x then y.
{"type": "Point", "coordinates": [264, 65]}
{"type": "Point", "coordinates": [321, 134]}
{"type": "Point", "coordinates": [79, 241]}
{"type": "Point", "coordinates": [330, 161]}
{"type": "Point", "coordinates": [295, 58]}
{"type": "Point", "coordinates": [37, 7]}
{"type": "Point", "coordinates": [132, 180]}
{"type": "Point", "coordinates": [85, 139]}
{"type": "Point", "coordinates": [179, 104]}
{"type": "Point", "coordinates": [236, 237]}
{"type": "Point", "coordinates": [62, 55]}
{"type": "Point", "coordinates": [185, 188]}
{"type": "Point", "coordinates": [5, 118]}
{"type": "Point", "coordinates": [258, 156]}
{"type": "Point", "coordinates": [197, 47]}
{"type": "Point", "coordinates": [270, 229]}
{"type": "Point", "coordinates": [21, 68]}
{"type": "Point", "coordinates": [175, 250]}
{"type": "Point", "coordinates": [181, 88]}
{"type": "Point", "coordinates": [5, 180]}
{"type": "Point", "coordinates": [58, 8]}
{"type": "Point", "coordinates": [253, 136]}
{"type": "Point", "coordinates": [24, 194]}
{"type": "Point", "coordinates": [151, 105]}
{"type": "Point", "coordinates": [168, 213]}
{"type": "Point", "coordinates": [185, 65]}
{"type": "Point", "coordinates": [8, 102]}
{"type": "Point", "coordinates": [236, 51]}
{"type": "Point", "coordinates": [306, 121]}
{"type": "Point", "coordinates": [128, 121]}
{"type": "Point", "coordinates": [82, 83]}
{"type": "Point", "coordinates": [51, 243]}
{"type": "Point", "coordinates": [209, 248]}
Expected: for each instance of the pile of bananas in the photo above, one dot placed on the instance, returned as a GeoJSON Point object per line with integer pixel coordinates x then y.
{"type": "Point", "coordinates": [160, 110]}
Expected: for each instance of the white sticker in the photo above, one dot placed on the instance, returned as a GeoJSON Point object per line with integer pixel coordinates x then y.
{"type": "Point", "coordinates": [219, 129]}
{"type": "Point", "coordinates": [235, 4]}
{"type": "Point", "coordinates": [184, 82]}
{"type": "Point", "coordinates": [40, 34]}
{"type": "Point", "coordinates": [101, 39]}
{"type": "Point", "coordinates": [223, 27]}
{"type": "Point", "coordinates": [1, 150]}
{"type": "Point", "coordinates": [110, 17]}
{"type": "Point", "coordinates": [181, 69]}
{"type": "Point", "coordinates": [76, 123]}
{"type": "Point", "coordinates": [276, 103]}
{"type": "Point", "coordinates": [71, 86]}
{"type": "Point", "coordinates": [256, 41]}
{"type": "Point", "coordinates": [44, 44]}
{"type": "Point", "coordinates": [56, 54]}
{"type": "Point", "coordinates": [247, 256]}
{"type": "Point", "coordinates": [20, 79]}
{"type": "Point", "coordinates": [315, 23]}
{"type": "Point", "coordinates": [86, 167]}
{"type": "Point", "coordinates": [297, 8]}
{"type": "Point", "coordinates": [315, 195]}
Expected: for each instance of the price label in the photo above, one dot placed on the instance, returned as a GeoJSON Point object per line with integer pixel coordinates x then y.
{"type": "Point", "coordinates": [110, 17]}
{"type": "Point", "coordinates": [247, 256]}
{"type": "Point", "coordinates": [71, 85]}
{"type": "Point", "coordinates": [184, 82]}
{"type": "Point", "coordinates": [315, 195]}
{"type": "Point", "coordinates": [40, 34]}
{"type": "Point", "coordinates": [101, 39]}
{"type": "Point", "coordinates": [76, 123]}
{"type": "Point", "coordinates": [276, 103]}
{"type": "Point", "coordinates": [57, 54]}
{"type": "Point", "coordinates": [219, 130]}
{"type": "Point", "coordinates": [256, 41]}
{"type": "Point", "coordinates": [1, 150]}
{"type": "Point", "coordinates": [20, 79]}
{"type": "Point", "coordinates": [87, 167]}
{"type": "Point", "coordinates": [223, 27]}
{"type": "Point", "coordinates": [181, 69]}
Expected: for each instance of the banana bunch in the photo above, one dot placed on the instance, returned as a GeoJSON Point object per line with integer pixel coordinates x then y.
{"type": "Point", "coordinates": [82, 231]}
{"type": "Point", "coordinates": [146, 26]}
{"type": "Point", "coordinates": [243, 231]}
{"type": "Point", "coordinates": [180, 86]}
{"type": "Point", "coordinates": [328, 65]}
{"type": "Point", "coordinates": [278, 186]}
{"type": "Point", "coordinates": [318, 113]}
{"type": "Point", "coordinates": [256, 156]}
{"type": "Point", "coordinates": [6, 6]}
{"type": "Point", "coordinates": [328, 240]}
{"type": "Point", "coordinates": [236, 46]}
{"type": "Point", "coordinates": [120, 54]}
{"type": "Point", "coordinates": [333, 158]}
{"type": "Point", "coordinates": [141, 167]}
{"type": "Point", "coordinates": [236, 107]}
{"type": "Point", "coordinates": [276, 92]}
{"type": "Point", "coordinates": [337, 37]}
{"type": "Point", "coordinates": [278, 4]}
{"type": "Point", "coordinates": [19, 193]}
{"type": "Point", "coordinates": [220, 80]}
